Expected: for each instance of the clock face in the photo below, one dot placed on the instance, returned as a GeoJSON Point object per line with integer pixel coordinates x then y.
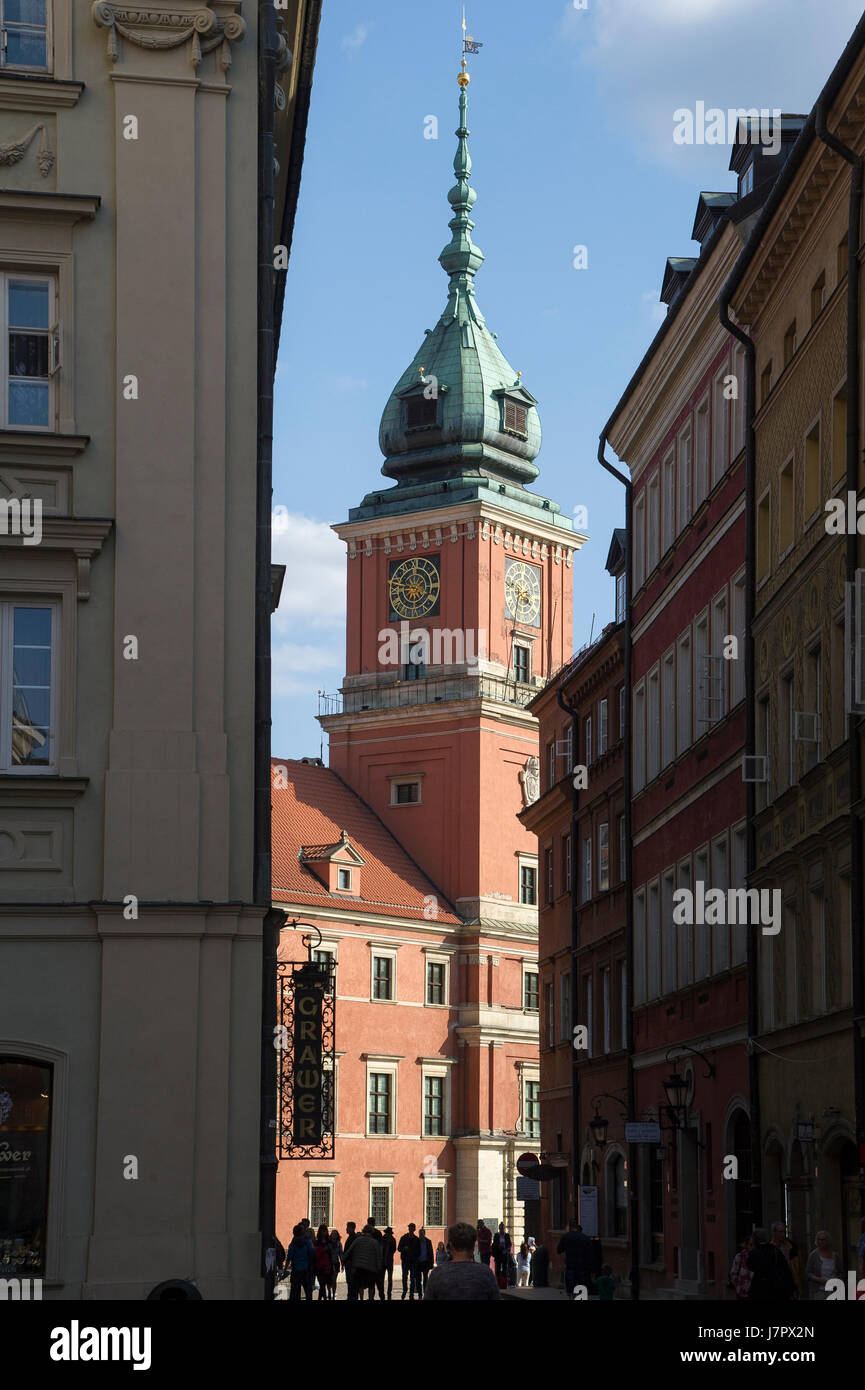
{"type": "Point", "coordinates": [523, 592]}
{"type": "Point", "coordinates": [414, 587]}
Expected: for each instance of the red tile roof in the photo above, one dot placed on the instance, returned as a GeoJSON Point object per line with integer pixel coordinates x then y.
{"type": "Point", "coordinates": [312, 811]}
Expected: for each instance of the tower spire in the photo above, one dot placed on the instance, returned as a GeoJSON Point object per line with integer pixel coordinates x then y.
{"type": "Point", "coordinates": [461, 259]}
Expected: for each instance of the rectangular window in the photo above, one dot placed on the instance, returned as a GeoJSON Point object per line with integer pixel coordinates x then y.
{"type": "Point", "coordinates": [551, 765]}
{"type": "Point", "coordinates": [683, 693]}
{"type": "Point", "coordinates": [25, 36]}
{"type": "Point", "coordinates": [530, 991]}
{"type": "Point", "coordinates": [640, 947]}
{"type": "Point", "coordinates": [653, 941]}
{"type": "Point", "coordinates": [532, 1107]}
{"type": "Point", "coordinates": [701, 933]}
{"type": "Point", "coordinates": [719, 665]}
{"type": "Point", "coordinates": [812, 472]}
{"type": "Point", "coordinates": [814, 705]}
{"type": "Point", "coordinates": [420, 411]}
{"type": "Point", "coordinates": [549, 1014]}
{"type": "Point", "coordinates": [684, 477]}
{"type": "Point", "coordinates": [343, 880]}
{"type": "Point", "coordinates": [788, 710]}
{"type": "Point", "coordinates": [737, 666]}
{"type": "Point", "coordinates": [433, 1105]}
{"type": "Point", "coordinates": [839, 435]}
{"type": "Point", "coordinates": [737, 405]}
{"type": "Point", "coordinates": [818, 296]}
{"type": "Point", "coordinates": [379, 1205]}
{"type": "Point", "coordinates": [621, 711]}
{"type": "Point", "coordinates": [702, 674]}
{"type": "Point", "coordinates": [587, 869]}
{"type": "Point", "coordinates": [434, 1208]}
{"type": "Point", "coordinates": [522, 664]}
{"type": "Point", "coordinates": [623, 862]}
{"type": "Point", "coordinates": [790, 343]}
{"type": "Point", "coordinates": [738, 932]}
{"type": "Point", "coordinates": [668, 502]}
{"type": "Point", "coordinates": [603, 856]}
{"type": "Point", "coordinates": [685, 935]}
{"type": "Point", "coordinates": [653, 522]}
{"type": "Point", "coordinates": [721, 929]}
{"type": "Point", "coordinates": [606, 1005]}
{"type": "Point", "coordinates": [405, 793]}
{"type": "Point", "coordinates": [639, 737]}
{"type": "Point", "coordinates": [621, 597]}
{"type": "Point", "coordinates": [589, 1014]}
{"type": "Point", "coordinates": [764, 535]}
{"type": "Point", "coordinates": [564, 1007]}
{"type": "Point", "coordinates": [380, 1092]}
{"type": "Point", "coordinates": [653, 726]}
{"type": "Point", "coordinates": [436, 983]}
{"type": "Point", "coordinates": [515, 417]}
{"type": "Point", "coordinates": [28, 686]}
{"type": "Point", "coordinates": [786, 508]}
{"type": "Point", "coordinates": [31, 349]}
{"type": "Point", "coordinates": [639, 541]}
{"type": "Point", "coordinates": [528, 885]}
{"type": "Point", "coordinates": [623, 1003]}
{"type": "Point", "coordinates": [382, 977]}
{"type": "Point", "coordinates": [721, 428]}
{"type": "Point", "coordinates": [602, 727]}
{"type": "Point", "coordinates": [551, 884]}
{"type": "Point", "coordinates": [668, 934]}
{"type": "Point", "coordinates": [701, 454]}
{"type": "Point", "coordinates": [319, 1206]}
{"type": "Point", "coordinates": [566, 863]}
{"type": "Point", "coordinates": [588, 739]}
{"type": "Point", "coordinates": [668, 705]}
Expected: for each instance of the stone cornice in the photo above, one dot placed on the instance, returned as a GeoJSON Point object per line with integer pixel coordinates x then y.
{"type": "Point", "coordinates": [531, 538]}
{"type": "Point", "coordinates": [66, 207]}
{"type": "Point", "coordinates": [22, 444]}
{"type": "Point", "coordinates": [21, 92]}
{"type": "Point", "coordinates": [158, 29]}
{"type": "Point", "coordinates": [82, 535]}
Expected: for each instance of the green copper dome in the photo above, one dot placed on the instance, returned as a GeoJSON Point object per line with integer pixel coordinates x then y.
{"type": "Point", "coordinates": [459, 407]}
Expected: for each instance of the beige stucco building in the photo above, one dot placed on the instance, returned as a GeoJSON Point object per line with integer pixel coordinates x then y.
{"type": "Point", "coordinates": [134, 871]}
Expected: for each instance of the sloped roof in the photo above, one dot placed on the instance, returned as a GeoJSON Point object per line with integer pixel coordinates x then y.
{"type": "Point", "coordinates": [312, 811]}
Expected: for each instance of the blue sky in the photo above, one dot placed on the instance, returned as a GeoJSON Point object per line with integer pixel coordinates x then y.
{"type": "Point", "coordinates": [571, 118]}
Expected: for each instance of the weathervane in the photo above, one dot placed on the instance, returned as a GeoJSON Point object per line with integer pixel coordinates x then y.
{"type": "Point", "coordinates": [470, 45]}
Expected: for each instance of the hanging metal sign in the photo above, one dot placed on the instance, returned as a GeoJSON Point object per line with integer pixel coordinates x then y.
{"type": "Point", "coordinates": [306, 1059]}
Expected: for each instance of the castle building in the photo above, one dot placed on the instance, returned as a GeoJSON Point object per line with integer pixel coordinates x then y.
{"type": "Point", "coordinates": [459, 607]}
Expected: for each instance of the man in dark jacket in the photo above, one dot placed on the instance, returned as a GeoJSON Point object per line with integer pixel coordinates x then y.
{"type": "Point", "coordinates": [577, 1250]}
{"type": "Point", "coordinates": [485, 1243]}
{"type": "Point", "coordinates": [501, 1250]}
{"type": "Point", "coordinates": [772, 1278]}
{"type": "Point", "coordinates": [350, 1238]}
{"type": "Point", "coordinates": [409, 1249]}
{"type": "Point", "coordinates": [425, 1260]}
{"type": "Point", "coordinates": [388, 1249]}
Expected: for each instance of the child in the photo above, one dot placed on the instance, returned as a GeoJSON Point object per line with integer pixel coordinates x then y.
{"type": "Point", "coordinates": [524, 1264]}
{"type": "Point", "coordinates": [606, 1284]}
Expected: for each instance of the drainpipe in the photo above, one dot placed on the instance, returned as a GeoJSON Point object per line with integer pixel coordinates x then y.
{"type": "Point", "coordinates": [262, 890]}
{"type": "Point", "coordinates": [633, 1149]}
{"type": "Point", "coordinates": [752, 966]}
{"type": "Point", "coordinates": [575, 935]}
{"type": "Point", "coordinates": [852, 558]}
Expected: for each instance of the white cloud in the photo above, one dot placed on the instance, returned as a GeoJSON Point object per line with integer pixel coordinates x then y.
{"type": "Point", "coordinates": [346, 382]}
{"type": "Point", "coordinates": [308, 628]}
{"type": "Point", "coordinates": [356, 39]}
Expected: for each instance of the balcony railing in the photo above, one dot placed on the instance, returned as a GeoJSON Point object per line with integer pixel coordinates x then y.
{"type": "Point", "coordinates": [429, 691]}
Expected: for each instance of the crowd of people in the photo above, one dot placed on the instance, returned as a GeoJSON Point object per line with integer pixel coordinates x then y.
{"type": "Point", "coordinates": [770, 1268]}
{"type": "Point", "coordinates": [476, 1263]}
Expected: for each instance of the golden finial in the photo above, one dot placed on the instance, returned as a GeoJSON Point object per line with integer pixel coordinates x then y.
{"type": "Point", "coordinates": [462, 77]}
{"type": "Point", "coordinates": [421, 370]}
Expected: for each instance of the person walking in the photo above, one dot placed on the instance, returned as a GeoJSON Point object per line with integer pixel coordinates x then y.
{"type": "Point", "coordinates": [425, 1260]}
{"type": "Point", "coordinates": [501, 1251]}
{"type": "Point", "coordinates": [524, 1266]}
{"type": "Point", "coordinates": [789, 1248]}
{"type": "Point", "coordinates": [485, 1243]}
{"type": "Point", "coordinates": [441, 1254]}
{"type": "Point", "coordinates": [366, 1262]}
{"type": "Point", "coordinates": [462, 1277]}
{"type": "Point", "coordinates": [350, 1238]}
{"type": "Point", "coordinates": [740, 1274]}
{"type": "Point", "coordinates": [388, 1246]}
{"type": "Point", "coordinates": [322, 1262]}
{"type": "Point", "coordinates": [300, 1259]}
{"type": "Point", "coordinates": [577, 1250]}
{"type": "Point", "coordinates": [335, 1261]}
{"type": "Point", "coordinates": [824, 1263]}
{"type": "Point", "coordinates": [408, 1254]}
{"type": "Point", "coordinates": [772, 1278]}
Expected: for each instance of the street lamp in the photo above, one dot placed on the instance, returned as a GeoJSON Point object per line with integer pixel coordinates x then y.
{"type": "Point", "coordinates": [676, 1089]}
{"type": "Point", "coordinates": [599, 1127]}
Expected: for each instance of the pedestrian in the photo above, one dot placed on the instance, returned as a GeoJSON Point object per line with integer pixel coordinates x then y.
{"type": "Point", "coordinates": [408, 1253]}
{"type": "Point", "coordinates": [300, 1259]}
{"type": "Point", "coordinates": [373, 1230]}
{"type": "Point", "coordinates": [441, 1254]}
{"type": "Point", "coordinates": [485, 1243]}
{"type": "Point", "coordinates": [388, 1246]}
{"type": "Point", "coordinates": [335, 1261]}
{"type": "Point", "coordinates": [789, 1248]}
{"type": "Point", "coordinates": [501, 1250]}
{"type": "Point", "coordinates": [540, 1271]}
{"type": "Point", "coordinates": [425, 1260]}
{"type": "Point", "coordinates": [462, 1277]}
{"type": "Point", "coordinates": [606, 1284]}
{"type": "Point", "coordinates": [577, 1250]}
{"type": "Point", "coordinates": [524, 1265]}
{"type": "Point", "coordinates": [366, 1262]}
{"type": "Point", "coordinates": [824, 1263]}
{"type": "Point", "coordinates": [740, 1274]}
{"type": "Point", "coordinates": [772, 1280]}
{"type": "Point", "coordinates": [350, 1238]}
{"type": "Point", "coordinates": [323, 1263]}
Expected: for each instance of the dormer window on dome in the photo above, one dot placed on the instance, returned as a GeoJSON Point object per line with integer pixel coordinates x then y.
{"type": "Point", "coordinates": [514, 405]}
{"type": "Point", "coordinates": [420, 412]}
{"type": "Point", "coordinates": [516, 417]}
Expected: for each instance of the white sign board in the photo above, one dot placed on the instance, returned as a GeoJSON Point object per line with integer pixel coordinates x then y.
{"type": "Point", "coordinates": [589, 1210]}
{"type": "Point", "coordinates": [643, 1132]}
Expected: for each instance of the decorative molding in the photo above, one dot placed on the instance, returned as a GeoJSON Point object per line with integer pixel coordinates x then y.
{"type": "Point", "coordinates": [201, 28]}
{"type": "Point", "coordinates": [84, 537]}
{"type": "Point", "coordinates": [20, 92]}
{"type": "Point", "coordinates": [18, 444]}
{"type": "Point", "coordinates": [14, 151]}
{"type": "Point", "coordinates": [69, 207]}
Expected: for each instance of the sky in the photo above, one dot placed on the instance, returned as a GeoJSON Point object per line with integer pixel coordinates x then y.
{"type": "Point", "coordinates": [571, 119]}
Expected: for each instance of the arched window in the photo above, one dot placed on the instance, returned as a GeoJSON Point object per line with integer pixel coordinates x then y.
{"type": "Point", "coordinates": [25, 1131]}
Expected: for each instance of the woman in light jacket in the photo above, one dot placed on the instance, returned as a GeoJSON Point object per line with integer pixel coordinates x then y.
{"type": "Point", "coordinates": [823, 1263]}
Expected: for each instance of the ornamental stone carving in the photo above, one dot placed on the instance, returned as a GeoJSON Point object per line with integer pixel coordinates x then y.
{"type": "Point", "coordinates": [14, 150]}
{"type": "Point", "coordinates": [146, 27]}
{"type": "Point", "coordinates": [530, 777]}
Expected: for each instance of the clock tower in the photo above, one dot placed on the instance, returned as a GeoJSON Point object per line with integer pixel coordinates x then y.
{"type": "Point", "coordinates": [459, 604]}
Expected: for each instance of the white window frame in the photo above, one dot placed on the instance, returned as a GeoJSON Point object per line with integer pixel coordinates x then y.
{"type": "Point", "coordinates": [587, 739]}
{"type": "Point", "coordinates": [653, 939]}
{"type": "Point", "coordinates": [565, 987]}
{"type": "Point", "coordinates": [428, 1070]}
{"type": "Point", "coordinates": [639, 542]}
{"type": "Point", "coordinates": [435, 1184]}
{"type": "Point", "coordinates": [388, 953]}
{"type": "Point", "coordinates": [653, 722]}
{"type": "Point", "coordinates": [48, 66]}
{"type": "Point", "coordinates": [668, 933]}
{"type": "Point", "coordinates": [685, 932]}
{"type": "Point", "coordinates": [54, 347]}
{"type": "Point", "coordinates": [549, 1018]}
{"type": "Point", "coordinates": [603, 726]}
{"type": "Point", "coordinates": [640, 946]}
{"type": "Point", "coordinates": [586, 874]}
{"type": "Point", "coordinates": [639, 735]}
{"type": "Point", "coordinates": [702, 933]}
{"type": "Point", "coordinates": [526, 861]}
{"type": "Point", "coordinates": [531, 968]}
{"type": "Point", "coordinates": [606, 998]}
{"type": "Point", "coordinates": [684, 692]}
{"type": "Point", "coordinates": [527, 1079]}
{"type": "Point", "coordinates": [668, 501]}
{"type": "Point", "coordinates": [668, 707]}
{"type": "Point", "coordinates": [384, 1180]}
{"type": "Point", "coordinates": [603, 844]}
{"type": "Point", "coordinates": [653, 521]}
{"type": "Point", "coordinates": [721, 879]}
{"type": "Point", "coordinates": [701, 453]}
{"type": "Point", "coordinates": [340, 870]}
{"type": "Point", "coordinates": [738, 410]}
{"type": "Point", "coordinates": [8, 604]}
{"type": "Point", "coordinates": [527, 648]}
{"type": "Point", "coordinates": [622, 847]}
{"type": "Point", "coordinates": [739, 933]}
{"type": "Point", "coordinates": [684, 477]}
{"type": "Point", "coordinates": [405, 780]}
{"type": "Point", "coordinates": [437, 958]}
{"type": "Point", "coordinates": [590, 1014]}
{"type": "Point", "coordinates": [720, 666]}
{"type": "Point", "coordinates": [737, 627]}
{"type": "Point", "coordinates": [386, 1068]}
{"type": "Point", "coordinates": [328, 1182]}
{"type": "Point", "coordinates": [720, 427]}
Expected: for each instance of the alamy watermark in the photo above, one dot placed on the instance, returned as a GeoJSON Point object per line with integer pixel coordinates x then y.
{"type": "Point", "coordinates": [21, 517]}
{"type": "Point", "coordinates": [716, 126]}
{"type": "Point", "coordinates": [740, 907]}
{"type": "Point", "coordinates": [436, 646]}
